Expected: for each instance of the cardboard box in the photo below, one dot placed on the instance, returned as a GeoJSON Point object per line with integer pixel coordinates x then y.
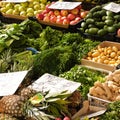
{"type": "Point", "coordinates": [108, 67]}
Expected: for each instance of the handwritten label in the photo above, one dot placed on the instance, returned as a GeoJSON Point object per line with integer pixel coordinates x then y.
{"type": "Point", "coordinates": [112, 7]}
{"type": "Point", "coordinates": [64, 5]}
{"type": "Point", "coordinates": [9, 82]}
{"type": "Point", "coordinates": [54, 84]}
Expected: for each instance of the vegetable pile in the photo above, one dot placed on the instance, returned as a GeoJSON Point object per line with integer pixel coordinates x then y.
{"type": "Point", "coordinates": [85, 76]}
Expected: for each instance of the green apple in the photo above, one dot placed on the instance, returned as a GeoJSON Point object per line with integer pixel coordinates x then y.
{"type": "Point", "coordinates": [21, 8]}
{"type": "Point", "coordinates": [23, 13]}
{"type": "Point", "coordinates": [3, 10]}
{"type": "Point", "coordinates": [36, 3]}
{"type": "Point", "coordinates": [15, 12]}
{"type": "Point", "coordinates": [24, 4]}
{"type": "Point", "coordinates": [9, 6]}
{"type": "Point", "coordinates": [30, 5]}
{"type": "Point", "coordinates": [30, 10]}
{"type": "Point", "coordinates": [10, 11]}
{"type": "Point", "coordinates": [29, 14]}
{"type": "Point", "coordinates": [36, 12]}
{"type": "Point", "coordinates": [16, 6]}
{"type": "Point", "coordinates": [43, 1]}
{"type": "Point", "coordinates": [4, 4]}
{"type": "Point", "coordinates": [37, 7]}
{"type": "Point", "coordinates": [42, 6]}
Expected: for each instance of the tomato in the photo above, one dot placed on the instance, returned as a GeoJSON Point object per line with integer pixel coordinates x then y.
{"type": "Point", "coordinates": [83, 14]}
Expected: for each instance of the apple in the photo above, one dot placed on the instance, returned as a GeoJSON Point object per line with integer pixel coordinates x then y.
{"type": "Point", "coordinates": [47, 7]}
{"type": "Point", "coordinates": [24, 4]}
{"type": "Point", "coordinates": [118, 32]}
{"type": "Point", "coordinates": [77, 19]}
{"type": "Point", "coordinates": [62, 18]}
{"type": "Point", "coordinates": [36, 3]}
{"type": "Point", "coordinates": [40, 16]}
{"type": "Point", "coordinates": [53, 19]}
{"type": "Point", "coordinates": [46, 19]}
{"type": "Point", "coordinates": [43, 1]}
{"type": "Point", "coordinates": [30, 14]}
{"type": "Point", "coordinates": [37, 7]}
{"type": "Point", "coordinates": [56, 12]}
{"type": "Point", "coordinates": [50, 13]}
{"type": "Point", "coordinates": [66, 21]}
{"type": "Point", "coordinates": [30, 5]}
{"type": "Point", "coordinates": [64, 12]}
{"type": "Point", "coordinates": [71, 16]}
{"type": "Point", "coordinates": [30, 10]}
{"type": "Point", "coordinates": [44, 12]}
{"type": "Point", "coordinates": [16, 6]}
{"type": "Point", "coordinates": [10, 11]}
{"type": "Point", "coordinates": [59, 21]}
{"type": "Point", "coordinates": [9, 6]}
{"type": "Point", "coordinates": [15, 12]}
{"type": "Point", "coordinates": [73, 22]}
{"type": "Point", "coordinates": [75, 11]}
{"type": "Point", "coordinates": [3, 9]}
{"type": "Point", "coordinates": [42, 6]}
{"type": "Point", "coordinates": [83, 14]}
{"type": "Point", "coordinates": [59, 16]}
{"type": "Point", "coordinates": [23, 13]}
{"type": "Point", "coordinates": [21, 8]}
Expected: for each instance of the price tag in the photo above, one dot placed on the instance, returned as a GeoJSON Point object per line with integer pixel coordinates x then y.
{"type": "Point", "coordinates": [112, 7]}
{"type": "Point", "coordinates": [14, 1]}
{"type": "Point", "coordinates": [54, 84]}
{"type": "Point", "coordinates": [64, 5]}
{"type": "Point", "coordinates": [9, 82]}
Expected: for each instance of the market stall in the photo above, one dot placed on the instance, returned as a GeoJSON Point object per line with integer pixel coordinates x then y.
{"type": "Point", "coordinates": [59, 60]}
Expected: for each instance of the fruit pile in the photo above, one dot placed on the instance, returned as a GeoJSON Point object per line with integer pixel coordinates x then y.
{"type": "Point", "coordinates": [29, 8]}
{"type": "Point", "coordinates": [100, 22]}
{"type": "Point", "coordinates": [64, 17]}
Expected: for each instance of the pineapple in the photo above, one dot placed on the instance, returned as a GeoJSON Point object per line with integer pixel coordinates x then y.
{"type": "Point", "coordinates": [27, 93]}
{"type": "Point", "coordinates": [7, 117]}
{"type": "Point", "coordinates": [13, 105]}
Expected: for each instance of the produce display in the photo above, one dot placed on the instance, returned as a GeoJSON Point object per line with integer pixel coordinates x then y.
{"type": "Point", "coordinates": [108, 90]}
{"type": "Point", "coordinates": [31, 45]}
{"type": "Point", "coordinates": [100, 22]}
{"type": "Point", "coordinates": [106, 55]}
{"type": "Point", "coordinates": [26, 9]}
{"type": "Point", "coordinates": [62, 16]}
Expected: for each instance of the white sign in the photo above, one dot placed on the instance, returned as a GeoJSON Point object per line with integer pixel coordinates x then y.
{"type": "Point", "coordinates": [9, 82]}
{"type": "Point", "coordinates": [14, 1]}
{"type": "Point", "coordinates": [64, 5]}
{"type": "Point", "coordinates": [112, 7]}
{"type": "Point", "coordinates": [54, 84]}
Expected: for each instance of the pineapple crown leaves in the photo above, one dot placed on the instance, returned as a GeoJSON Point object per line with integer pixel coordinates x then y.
{"type": "Point", "coordinates": [54, 105]}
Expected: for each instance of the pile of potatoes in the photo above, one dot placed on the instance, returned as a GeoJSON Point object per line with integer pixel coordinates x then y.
{"type": "Point", "coordinates": [106, 55]}
{"type": "Point", "coordinates": [108, 90]}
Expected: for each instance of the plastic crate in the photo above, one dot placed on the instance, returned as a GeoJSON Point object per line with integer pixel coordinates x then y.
{"type": "Point", "coordinates": [95, 101]}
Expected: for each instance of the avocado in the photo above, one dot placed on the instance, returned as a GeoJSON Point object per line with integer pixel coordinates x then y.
{"type": "Point", "coordinates": [102, 32]}
{"type": "Point", "coordinates": [96, 8]}
{"type": "Point", "coordinates": [93, 31]}
{"type": "Point", "coordinates": [89, 21]}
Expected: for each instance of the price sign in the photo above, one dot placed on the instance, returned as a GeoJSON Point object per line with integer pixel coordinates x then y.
{"type": "Point", "coordinates": [64, 5]}
{"type": "Point", "coordinates": [9, 82]}
{"type": "Point", "coordinates": [54, 84]}
{"type": "Point", "coordinates": [112, 7]}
